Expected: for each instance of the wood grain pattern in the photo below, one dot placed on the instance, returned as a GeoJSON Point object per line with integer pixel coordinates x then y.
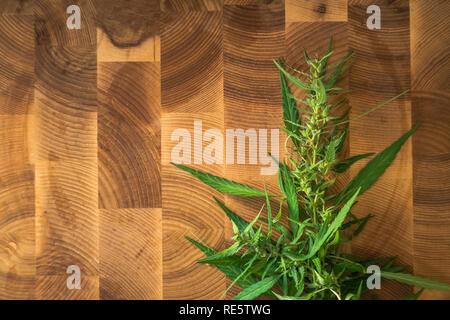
{"type": "Point", "coordinates": [253, 36]}
{"type": "Point", "coordinates": [191, 5]}
{"type": "Point", "coordinates": [16, 63]}
{"type": "Point", "coordinates": [316, 10]}
{"type": "Point", "coordinates": [381, 71]}
{"type": "Point", "coordinates": [90, 120]}
{"type": "Point", "coordinates": [50, 23]}
{"type": "Point", "coordinates": [127, 30]}
{"type": "Point", "coordinates": [64, 151]}
{"type": "Point", "coordinates": [194, 214]}
{"type": "Point", "coordinates": [55, 288]}
{"type": "Point", "coordinates": [191, 62]}
{"type": "Point", "coordinates": [17, 222]}
{"type": "Point", "coordinates": [430, 66]}
{"type": "Point", "coordinates": [191, 92]}
{"type": "Point", "coordinates": [130, 254]}
{"type": "Point", "coordinates": [129, 135]}
{"type": "Point", "coordinates": [65, 104]}
{"type": "Point", "coordinates": [182, 275]}
{"type": "Point", "coordinates": [16, 7]}
{"type": "Point", "coordinates": [66, 216]}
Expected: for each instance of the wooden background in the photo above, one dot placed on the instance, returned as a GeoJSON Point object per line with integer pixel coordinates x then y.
{"type": "Point", "coordinates": [86, 118]}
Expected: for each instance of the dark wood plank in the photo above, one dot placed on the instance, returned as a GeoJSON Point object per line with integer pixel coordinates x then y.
{"type": "Point", "coordinates": [381, 71]}
{"type": "Point", "coordinates": [191, 5]}
{"type": "Point", "coordinates": [16, 7]}
{"type": "Point", "coordinates": [191, 62]}
{"type": "Point", "coordinates": [430, 65]}
{"type": "Point", "coordinates": [51, 23]}
{"type": "Point", "coordinates": [65, 103]}
{"type": "Point", "coordinates": [253, 36]}
{"type": "Point", "coordinates": [128, 30]}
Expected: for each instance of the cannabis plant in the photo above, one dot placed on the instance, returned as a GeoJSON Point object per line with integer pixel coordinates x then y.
{"type": "Point", "coordinates": [304, 260]}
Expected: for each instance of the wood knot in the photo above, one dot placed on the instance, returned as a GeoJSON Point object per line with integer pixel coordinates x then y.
{"type": "Point", "coordinates": [322, 8]}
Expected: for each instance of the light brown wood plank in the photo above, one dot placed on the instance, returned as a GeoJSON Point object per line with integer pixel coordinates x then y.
{"type": "Point", "coordinates": [192, 90]}
{"type": "Point", "coordinates": [52, 287]}
{"type": "Point", "coordinates": [66, 217]}
{"type": "Point", "coordinates": [16, 63]}
{"type": "Point", "coordinates": [64, 152]}
{"type": "Point", "coordinates": [129, 135]}
{"type": "Point", "coordinates": [381, 71]}
{"type": "Point", "coordinates": [316, 10]}
{"type": "Point", "coordinates": [430, 65]}
{"type": "Point", "coordinates": [130, 254]}
{"type": "Point", "coordinates": [17, 222]}
{"type": "Point", "coordinates": [183, 277]}
{"type": "Point", "coordinates": [191, 62]}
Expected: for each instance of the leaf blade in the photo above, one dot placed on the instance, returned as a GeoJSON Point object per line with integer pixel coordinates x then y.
{"type": "Point", "coordinates": [257, 289]}
{"type": "Point", "coordinates": [415, 281]}
{"type": "Point", "coordinates": [374, 169]}
{"type": "Point", "coordinates": [222, 184]}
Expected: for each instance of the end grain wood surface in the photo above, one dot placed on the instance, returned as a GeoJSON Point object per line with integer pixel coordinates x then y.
{"type": "Point", "coordinates": [87, 116]}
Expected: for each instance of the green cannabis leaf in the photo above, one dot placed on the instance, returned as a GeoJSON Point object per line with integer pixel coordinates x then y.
{"type": "Point", "coordinates": [304, 261]}
{"type": "Point", "coordinates": [222, 184]}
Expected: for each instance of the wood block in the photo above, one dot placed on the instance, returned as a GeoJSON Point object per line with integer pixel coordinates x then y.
{"type": "Point", "coordinates": [130, 254]}
{"type": "Point", "coordinates": [60, 132]}
{"type": "Point", "coordinates": [184, 209]}
{"type": "Point", "coordinates": [191, 5]}
{"type": "Point", "coordinates": [65, 106]}
{"type": "Point", "coordinates": [17, 231]}
{"type": "Point", "coordinates": [316, 10]}
{"type": "Point", "coordinates": [430, 144]}
{"type": "Point", "coordinates": [195, 126]}
{"type": "Point", "coordinates": [253, 36]}
{"type": "Point", "coordinates": [268, 3]}
{"type": "Point", "coordinates": [191, 62]}
{"type": "Point", "coordinates": [51, 23]}
{"type": "Point", "coordinates": [128, 30]}
{"type": "Point", "coordinates": [129, 135]}
{"type": "Point", "coordinates": [66, 217]}
{"type": "Point", "coordinates": [147, 51]}
{"type": "Point", "coordinates": [14, 7]}
{"type": "Point", "coordinates": [52, 287]}
{"type": "Point", "coordinates": [68, 76]}
{"type": "Point", "coordinates": [17, 63]}
{"type": "Point", "coordinates": [183, 277]}
{"type": "Point", "coordinates": [381, 71]}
